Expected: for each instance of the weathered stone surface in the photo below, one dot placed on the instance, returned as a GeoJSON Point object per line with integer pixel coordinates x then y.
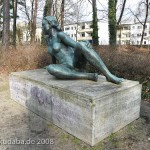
{"type": "Point", "coordinates": [88, 110]}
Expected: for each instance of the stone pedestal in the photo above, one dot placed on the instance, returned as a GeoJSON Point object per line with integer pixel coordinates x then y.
{"type": "Point", "coordinates": [89, 110]}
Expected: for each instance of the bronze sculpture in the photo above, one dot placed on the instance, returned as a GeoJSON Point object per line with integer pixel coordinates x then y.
{"type": "Point", "coordinates": [68, 54]}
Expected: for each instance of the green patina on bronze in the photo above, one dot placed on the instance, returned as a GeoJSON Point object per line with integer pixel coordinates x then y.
{"type": "Point", "coordinates": [71, 55]}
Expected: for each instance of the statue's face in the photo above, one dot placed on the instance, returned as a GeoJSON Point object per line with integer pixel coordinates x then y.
{"type": "Point", "coordinates": [48, 23]}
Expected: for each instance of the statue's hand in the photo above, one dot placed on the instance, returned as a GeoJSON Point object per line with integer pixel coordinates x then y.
{"type": "Point", "coordinates": [87, 44]}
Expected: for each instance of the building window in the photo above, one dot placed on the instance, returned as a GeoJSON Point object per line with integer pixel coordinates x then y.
{"type": "Point", "coordinates": [67, 28]}
{"type": "Point", "coordinates": [144, 42]}
{"type": "Point", "coordinates": [139, 34]}
{"type": "Point", "coordinates": [75, 28]}
{"type": "Point", "coordinates": [83, 34]}
{"type": "Point", "coordinates": [145, 26]}
{"type": "Point", "coordinates": [125, 28]}
{"type": "Point", "coordinates": [133, 27]}
{"type": "Point", "coordinates": [145, 34]}
{"type": "Point", "coordinates": [91, 26]}
{"type": "Point", "coordinates": [71, 28]}
{"type": "Point", "coordinates": [128, 42]}
{"type": "Point", "coordinates": [83, 27]}
{"type": "Point", "coordinates": [119, 36]}
{"type": "Point", "coordinates": [139, 27]}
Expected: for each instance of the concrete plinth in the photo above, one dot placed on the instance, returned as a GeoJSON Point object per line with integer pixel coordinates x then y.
{"type": "Point", "coordinates": [89, 110]}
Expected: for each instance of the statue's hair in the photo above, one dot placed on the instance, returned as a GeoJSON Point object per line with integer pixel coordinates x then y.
{"type": "Point", "coordinates": [49, 19]}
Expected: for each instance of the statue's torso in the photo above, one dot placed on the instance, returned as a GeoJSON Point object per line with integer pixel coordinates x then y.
{"type": "Point", "coordinates": [63, 54]}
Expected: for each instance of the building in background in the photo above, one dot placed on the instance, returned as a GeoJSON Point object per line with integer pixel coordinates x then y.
{"type": "Point", "coordinates": [127, 34]}
{"type": "Point", "coordinates": [136, 33]}
{"type": "Point", "coordinates": [71, 31]}
{"type": "Point", "coordinates": [123, 34]}
{"type": "Point", "coordinates": [132, 33]}
{"type": "Point", "coordinates": [23, 33]}
{"type": "Point", "coordinates": [83, 31]}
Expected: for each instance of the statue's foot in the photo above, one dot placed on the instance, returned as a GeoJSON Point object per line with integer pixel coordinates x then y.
{"type": "Point", "coordinates": [94, 77]}
{"type": "Point", "coordinates": [114, 79]}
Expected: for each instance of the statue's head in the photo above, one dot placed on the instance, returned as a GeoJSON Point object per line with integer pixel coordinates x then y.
{"type": "Point", "coordinates": [50, 22]}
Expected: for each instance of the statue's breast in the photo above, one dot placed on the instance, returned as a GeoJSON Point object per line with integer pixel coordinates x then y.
{"type": "Point", "coordinates": [56, 47]}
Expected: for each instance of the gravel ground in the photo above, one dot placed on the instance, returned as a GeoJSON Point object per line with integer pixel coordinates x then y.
{"type": "Point", "coordinates": [19, 125]}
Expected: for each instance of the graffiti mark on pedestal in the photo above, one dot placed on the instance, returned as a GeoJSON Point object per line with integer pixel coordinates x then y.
{"type": "Point", "coordinates": [41, 96]}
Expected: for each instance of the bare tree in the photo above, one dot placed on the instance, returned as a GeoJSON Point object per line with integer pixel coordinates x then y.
{"type": "Point", "coordinates": [6, 24]}
{"type": "Point", "coordinates": [29, 13]}
{"type": "Point", "coordinates": [15, 2]}
{"type": "Point", "coordinates": [75, 13]}
{"type": "Point", "coordinates": [146, 5]}
{"type": "Point", "coordinates": [62, 13]}
{"type": "Point", "coordinates": [34, 20]}
{"type": "Point", "coordinates": [95, 24]}
{"type": "Point", "coordinates": [112, 21]}
{"type": "Point", "coordinates": [142, 10]}
{"type": "Point", "coordinates": [122, 11]}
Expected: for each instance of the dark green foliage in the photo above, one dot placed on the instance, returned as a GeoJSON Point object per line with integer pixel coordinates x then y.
{"type": "Point", "coordinates": [47, 8]}
{"type": "Point", "coordinates": [95, 24]}
{"type": "Point", "coordinates": [46, 13]}
{"type": "Point", "coordinates": [146, 91]}
{"type": "Point", "coordinates": [112, 22]}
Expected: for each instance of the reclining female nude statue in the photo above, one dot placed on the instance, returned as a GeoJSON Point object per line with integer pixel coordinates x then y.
{"type": "Point", "coordinates": [68, 54]}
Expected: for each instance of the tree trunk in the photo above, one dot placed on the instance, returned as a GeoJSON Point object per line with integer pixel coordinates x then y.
{"type": "Point", "coordinates": [95, 24]}
{"type": "Point", "coordinates": [122, 11]}
{"type": "Point", "coordinates": [144, 25]}
{"type": "Point", "coordinates": [31, 20]}
{"type": "Point", "coordinates": [48, 9]}
{"type": "Point", "coordinates": [1, 18]}
{"type": "Point", "coordinates": [6, 24]}
{"type": "Point", "coordinates": [112, 22]}
{"type": "Point", "coordinates": [62, 14]}
{"type": "Point", "coordinates": [14, 21]}
{"type": "Point", "coordinates": [34, 20]}
{"type": "Point", "coordinates": [51, 8]}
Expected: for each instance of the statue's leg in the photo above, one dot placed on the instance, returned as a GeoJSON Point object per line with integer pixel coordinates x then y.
{"type": "Point", "coordinates": [63, 72]}
{"type": "Point", "coordinates": [94, 59]}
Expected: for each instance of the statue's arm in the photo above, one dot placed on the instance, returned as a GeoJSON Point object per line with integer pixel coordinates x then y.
{"type": "Point", "coordinates": [67, 40]}
{"type": "Point", "coordinates": [48, 42]}
{"type": "Point", "coordinates": [70, 42]}
{"type": "Point", "coordinates": [50, 50]}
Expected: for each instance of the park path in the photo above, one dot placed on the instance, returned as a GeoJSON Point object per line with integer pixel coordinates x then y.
{"type": "Point", "coordinates": [18, 123]}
